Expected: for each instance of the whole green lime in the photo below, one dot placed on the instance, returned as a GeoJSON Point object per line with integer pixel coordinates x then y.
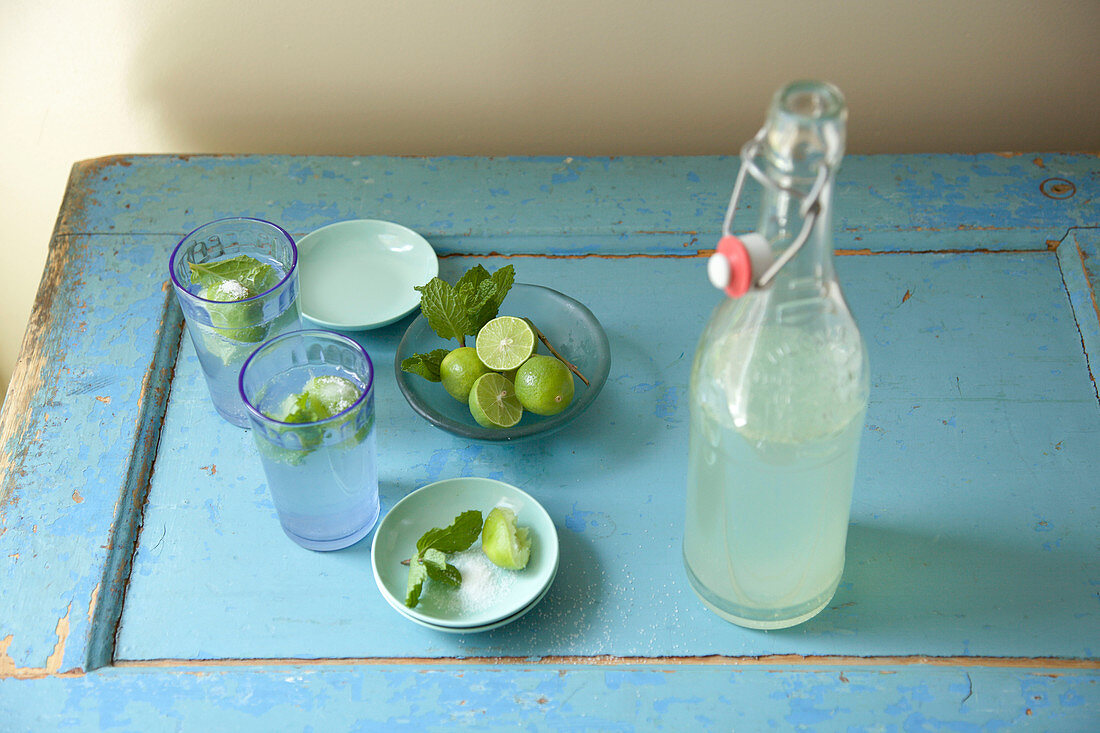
{"type": "Point", "coordinates": [544, 385]}
{"type": "Point", "coordinates": [459, 370]}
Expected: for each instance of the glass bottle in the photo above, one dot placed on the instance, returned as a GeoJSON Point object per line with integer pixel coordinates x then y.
{"type": "Point", "coordinates": [779, 385]}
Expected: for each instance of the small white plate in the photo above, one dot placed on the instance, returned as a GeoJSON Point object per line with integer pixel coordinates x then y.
{"type": "Point", "coordinates": [360, 274]}
{"type": "Point", "coordinates": [436, 505]}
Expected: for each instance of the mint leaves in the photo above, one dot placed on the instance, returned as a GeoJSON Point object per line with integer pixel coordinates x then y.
{"type": "Point", "coordinates": [457, 311]}
{"type": "Point", "coordinates": [446, 313]}
{"type": "Point", "coordinates": [226, 282]}
{"type": "Point", "coordinates": [432, 549]}
{"type": "Point", "coordinates": [321, 398]}
{"type": "Point", "coordinates": [426, 365]}
{"type": "Point", "coordinates": [256, 276]}
{"type": "Point", "coordinates": [460, 310]}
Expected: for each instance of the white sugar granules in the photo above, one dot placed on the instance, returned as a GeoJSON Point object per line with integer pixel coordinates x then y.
{"type": "Point", "coordinates": [484, 585]}
{"type": "Point", "coordinates": [337, 393]}
{"type": "Point", "coordinates": [228, 291]}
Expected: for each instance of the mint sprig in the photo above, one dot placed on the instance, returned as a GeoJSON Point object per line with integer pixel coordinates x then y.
{"type": "Point", "coordinates": [430, 560]}
{"type": "Point", "coordinates": [460, 310]}
{"type": "Point", "coordinates": [257, 276]}
{"type": "Point", "coordinates": [457, 311]}
{"type": "Point", "coordinates": [426, 365]}
{"type": "Point", "coordinates": [445, 312]}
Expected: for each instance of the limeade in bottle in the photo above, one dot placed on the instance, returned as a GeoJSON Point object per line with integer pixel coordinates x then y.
{"type": "Point", "coordinates": [779, 385]}
{"type": "Point", "coordinates": [770, 477]}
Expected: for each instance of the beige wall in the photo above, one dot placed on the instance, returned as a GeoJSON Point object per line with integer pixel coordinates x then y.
{"type": "Point", "coordinates": [81, 78]}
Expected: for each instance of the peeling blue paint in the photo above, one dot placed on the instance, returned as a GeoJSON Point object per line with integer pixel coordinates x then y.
{"type": "Point", "coordinates": [1030, 388]}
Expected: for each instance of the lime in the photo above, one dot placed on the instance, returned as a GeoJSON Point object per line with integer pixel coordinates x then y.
{"type": "Point", "coordinates": [232, 320]}
{"type": "Point", "coordinates": [544, 385]}
{"type": "Point", "coordinates": [510, 374]}
{"type": "Point", "coordinates": [505, 342]}
{"type": "Point", "coordinates": [331, 395]}
{"type": "Point", "coordinates": [320, 398]}
{"type": "Point", "coordinates": [493, 402]}
{"type": "Point", "coordinates": [504, 543]}
{"type": "Point", "coordinates": [459, 370]}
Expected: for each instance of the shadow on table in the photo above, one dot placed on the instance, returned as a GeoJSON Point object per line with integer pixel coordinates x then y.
{"type": "Point", "coordinates": [944, 592]}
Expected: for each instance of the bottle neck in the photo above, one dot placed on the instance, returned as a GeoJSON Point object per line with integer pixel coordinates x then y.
{"type": "Point", "coordinates": [804, 132]}
{"type": "Point", "coordinates": [811, 269]}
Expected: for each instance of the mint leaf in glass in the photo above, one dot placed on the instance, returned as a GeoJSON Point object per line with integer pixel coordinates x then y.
{"type": "Point", "coordinates": [321, 397]}
{"type": "Point", "coordinates": [257, 277]}
{"type": "Point", "coordinates": [228, 282]}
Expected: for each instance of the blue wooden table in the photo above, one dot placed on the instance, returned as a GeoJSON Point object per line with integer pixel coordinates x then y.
{"type": "Point", "coordinates": [146, 584]}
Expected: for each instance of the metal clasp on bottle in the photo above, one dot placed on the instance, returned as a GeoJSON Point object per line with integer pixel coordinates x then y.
{"type": "Point", "coordinates": [734, 266]}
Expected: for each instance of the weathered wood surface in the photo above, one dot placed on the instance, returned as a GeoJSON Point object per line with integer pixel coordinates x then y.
{"type": "Point", "coordinates": [971, 592]}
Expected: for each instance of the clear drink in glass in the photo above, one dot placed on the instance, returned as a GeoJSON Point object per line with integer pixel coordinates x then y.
{"type": "Point", "coordinates": [322, 473]}
{"type": "Point", "coordinates": [227, 322]}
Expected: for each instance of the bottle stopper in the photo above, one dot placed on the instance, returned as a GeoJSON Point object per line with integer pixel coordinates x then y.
{"type": "Point", "coordinates": [738, 262]}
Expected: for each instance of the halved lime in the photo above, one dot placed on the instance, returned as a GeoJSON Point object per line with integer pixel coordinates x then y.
{"type": "Point", "coordinates": [502, 542]}
{"type": "Point", "coordinates": [493, 402]}
{"type": "Point", "coordinates": [544, 385]}
{"type": "Point", "coordinates": [505, 342]}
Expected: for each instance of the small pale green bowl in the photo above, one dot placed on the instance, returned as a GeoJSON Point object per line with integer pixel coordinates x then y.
{"type": "Point", "coordinates": [436, 505]}
{"type": "Point", "coordinates": [360, 274]}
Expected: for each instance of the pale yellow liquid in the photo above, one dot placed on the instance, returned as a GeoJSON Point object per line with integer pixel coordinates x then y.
{"type": "Point", "coordinates": [775, 428]}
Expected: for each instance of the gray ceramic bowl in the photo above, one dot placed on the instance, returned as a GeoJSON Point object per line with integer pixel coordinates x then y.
{"type": "Point", "coordinates": [567, 324]}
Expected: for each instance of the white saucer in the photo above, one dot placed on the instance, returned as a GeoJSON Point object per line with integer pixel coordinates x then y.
{"type": "Point", "coordinates": [359, 274]}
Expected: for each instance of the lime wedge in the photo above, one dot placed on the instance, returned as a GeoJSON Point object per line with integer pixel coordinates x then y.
{"type": "Point", "coordinates": [493, 402]}
{"type": "Point", "coordinates": [504, 543]}
{"type": "Point", "coordinates": [505, 342]}
{"type": "Point", "coordinates": [331, 394]}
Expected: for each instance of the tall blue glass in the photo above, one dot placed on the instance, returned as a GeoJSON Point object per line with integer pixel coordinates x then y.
{"type": "Point", "coordinates": [226, 331]}
{"type": "Point", "coordinates": [322, 475]}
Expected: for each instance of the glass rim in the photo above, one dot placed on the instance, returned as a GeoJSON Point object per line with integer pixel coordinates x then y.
{"type": "Point", "coordinates": [833, 103]}
{"type": "Point", "coordinates": [270, 343]}
{"type": "Point", "coordinates": [289, 271]}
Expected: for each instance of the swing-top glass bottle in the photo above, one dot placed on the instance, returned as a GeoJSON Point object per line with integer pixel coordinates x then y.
{"type": "Point", "coordinates": [779, 385]}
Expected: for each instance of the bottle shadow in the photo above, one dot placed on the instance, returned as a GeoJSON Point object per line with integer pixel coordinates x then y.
{"type": "Point", "coordinates": [945, 594]}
